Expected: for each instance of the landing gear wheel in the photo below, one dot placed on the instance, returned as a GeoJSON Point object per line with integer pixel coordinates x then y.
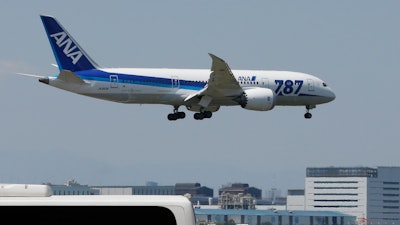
{"type": "Point", "coordinates": [198, 116]}
{"type": "Point", "coordinates": [181, 115]}
{"type": "Point", "coordinates": [172, 116]}
{"type": "Point", "coordinates": [207, 114]}
{"type": "Point", "coordinates": [308, 114]}
{"type": "Point", "coordinates": [176, 114]}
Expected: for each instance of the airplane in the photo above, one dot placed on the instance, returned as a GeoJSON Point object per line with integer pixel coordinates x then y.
{"type": "Point", "coordinates": [202, 91]}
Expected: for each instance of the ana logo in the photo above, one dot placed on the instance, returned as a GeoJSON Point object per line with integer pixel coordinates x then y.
{"type": "Point", "coordinates": [70, 49]}
{"type": "Point", "coordinates": [247, 78]}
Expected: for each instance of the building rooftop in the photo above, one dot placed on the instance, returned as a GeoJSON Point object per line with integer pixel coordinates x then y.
{"type": "Point", "coordinates": [255, 212]}
{"type": "Point", "coordinates": [341, 172]}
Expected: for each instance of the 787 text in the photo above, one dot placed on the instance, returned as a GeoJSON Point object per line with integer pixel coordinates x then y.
{"type": "Point", "coordinates": [288, 86]}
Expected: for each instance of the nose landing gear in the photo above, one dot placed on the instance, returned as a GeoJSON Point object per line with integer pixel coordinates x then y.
{"type": "Point", "coordinates": [308, 115]}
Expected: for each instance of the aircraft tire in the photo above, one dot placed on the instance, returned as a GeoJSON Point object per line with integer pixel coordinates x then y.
{"type": "Point", "coordinates": [181, 115]}
{"type": "Point", "coordinates": [198, 116]}
{"type": "Point", "coordinates": [207, 114]}
{"type": "Point", "coordinates": [172, 116]}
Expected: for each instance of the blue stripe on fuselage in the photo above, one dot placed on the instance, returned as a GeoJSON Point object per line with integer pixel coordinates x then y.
{"type": "Point", "coordinates": [300, 94]}
{"type": "Point", "coordinates": [99, 75]}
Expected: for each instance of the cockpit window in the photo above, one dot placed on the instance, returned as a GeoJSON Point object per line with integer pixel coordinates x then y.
{"type": "Point", "coordinates": [324, 84]}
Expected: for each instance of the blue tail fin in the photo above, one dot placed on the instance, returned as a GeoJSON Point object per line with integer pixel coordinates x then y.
{"type": "Point", "coordinates": [68, 53]}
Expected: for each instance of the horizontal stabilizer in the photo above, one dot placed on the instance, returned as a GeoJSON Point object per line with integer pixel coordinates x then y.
{"type": "Point", "coordinates": [70, 77]}
{"type": "Point", "coordinates": [31, 75]}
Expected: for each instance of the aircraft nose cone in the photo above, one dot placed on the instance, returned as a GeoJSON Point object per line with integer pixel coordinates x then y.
{"type": "Point", "coordinates": [331, 96]}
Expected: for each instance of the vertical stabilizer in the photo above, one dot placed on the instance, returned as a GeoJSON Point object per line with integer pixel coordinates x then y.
{"type": "Point", "coordinates": [68, 53]}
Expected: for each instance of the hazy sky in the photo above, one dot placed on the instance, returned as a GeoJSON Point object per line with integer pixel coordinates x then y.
{"type": "Point", "coordinates": [50, 135]}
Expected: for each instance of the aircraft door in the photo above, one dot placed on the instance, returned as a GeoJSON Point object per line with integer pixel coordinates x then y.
{"type": "Point", "coordinates": [310, 84]}
{"type": "Point", "coordinates": [175, 82]}
{"type": "Point", "coordinates": [265, 82]}
{"type": "Point", "coordinates": [113, 81]}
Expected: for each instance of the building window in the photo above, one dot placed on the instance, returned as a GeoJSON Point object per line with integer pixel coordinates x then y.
{"type": "Point", "coordinates": [335, 200]}
{"type": "Point", "coordinates": [345, 194]}
{"type": "Point", "coordinates": [335, 187]}
{"type": "Point", "coordinates": [391, 189]}
{"type": "Point", "coordinates": [391, 195]}
{"type": "Point", "coordinates": [390, 207]}
{"type": "Point", "coordinates": [390, 201]}
{"type": "Point", "coordinates": [335, 206]}
{"type": "Point", "coordinates": [335, 182]}
{"type": "Point", "coordinates": [391, 183]}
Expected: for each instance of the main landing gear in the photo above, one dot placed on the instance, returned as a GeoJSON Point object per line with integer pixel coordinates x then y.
{"type": "Point", "coordinates": [308, 115]}
{"type": "Point", "coordinates": [202, 115]}
{"type": "Point", "coordinates": [176, 115]}
{"type": "Point", "coordinates": [180, 115]}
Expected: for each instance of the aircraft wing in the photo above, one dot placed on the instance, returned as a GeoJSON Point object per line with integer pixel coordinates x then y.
{"type": "Point", "coordinates": [221, 84]}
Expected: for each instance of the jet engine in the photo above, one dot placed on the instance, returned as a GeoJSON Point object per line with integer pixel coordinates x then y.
{"type": "Point", "coordinates": [259, 99]}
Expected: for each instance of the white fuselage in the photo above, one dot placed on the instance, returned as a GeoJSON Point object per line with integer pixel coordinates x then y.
{"type": "Point", "coordinates": [173, 86]}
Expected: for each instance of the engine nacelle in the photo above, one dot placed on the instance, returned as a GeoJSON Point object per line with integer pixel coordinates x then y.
{"type": "Point", "coordinates": [259, 99]}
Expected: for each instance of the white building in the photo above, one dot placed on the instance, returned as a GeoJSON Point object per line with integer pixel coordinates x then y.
{"type": "Point", "coordinates": [295, 199]}
{"type": "Point", "coordinates": [370, 194]}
